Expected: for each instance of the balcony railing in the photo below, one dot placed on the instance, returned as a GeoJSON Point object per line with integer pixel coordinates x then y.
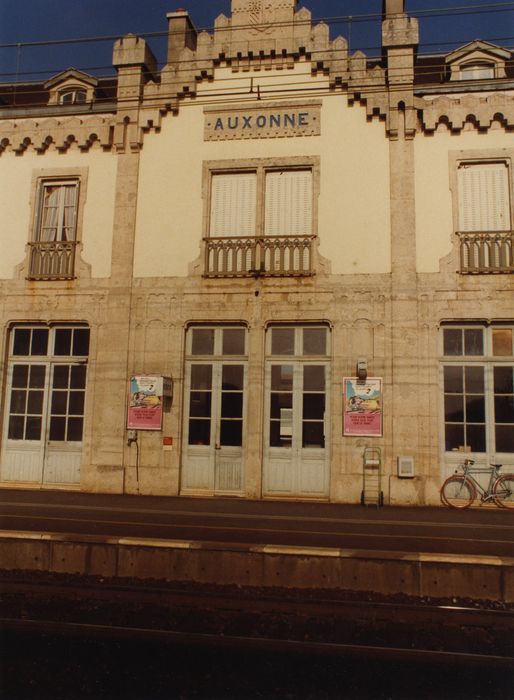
{"type": "Point", "coordinates": [268, 256]}
{"type": "Point", "coordinates": [489, 252]}
{"type": "Point", "coordinates": [53, 260]}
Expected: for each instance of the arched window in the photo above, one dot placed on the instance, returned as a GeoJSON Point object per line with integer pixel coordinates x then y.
{"type": "Point", "coordinates": [72, 96]}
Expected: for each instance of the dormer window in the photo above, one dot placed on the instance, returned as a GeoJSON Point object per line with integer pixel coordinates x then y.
{"type": "Point", "coordinates": [73, 96]}
{"type": "Point", "coordinates": [477, 71]}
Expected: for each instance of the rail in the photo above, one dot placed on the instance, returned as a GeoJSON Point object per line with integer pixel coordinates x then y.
{"type": "Point", "coordinates": [243, 256]}
{"type": "Point", "coordinates": [52, 260]}
{"type": "Point", "coordinates": [486, 252]}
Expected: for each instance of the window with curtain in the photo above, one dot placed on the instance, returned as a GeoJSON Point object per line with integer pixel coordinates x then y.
{"type": "Point", "coordinates": [57, 215]}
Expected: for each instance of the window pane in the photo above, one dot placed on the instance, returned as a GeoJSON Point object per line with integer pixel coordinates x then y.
{"type": "Point", "coordinates": [277, 438]}
{"type": "Point", "coordinates": [37, 376]}
{"type": "Point", "coordinates": [504, 409]}
{"type": "Point", "coordinates": [233, 341]}
{"type": "Point", "coordinates": [475, 437]}
{"type": "Point", "coordinates": [81, 342]}
{"type": "Point", "coordinates": [16, 425]}
{"type": "Point", "coordinates": [21, 344]}
{"type": "Point", "coordinates": [232, 405]}
{"type": "Point", "coordinates": [454, 435]}
{"type": "Point", "coordinates": [314, 341]}
{"type": "Point", "coordinates": [282, 378]}
{"type": "Point", "coordinates": [59, 401]}
{"type": "Point", "coordinates": [282, 341]}
{"type": "Point", "coordinates": [18, 401]}
{"type": "Point", "coordinates": [474, 378]}
{"type": "Point", "coordinates": [75, 429]}
{"type": "Point", "coordinates": [232, 377]}
{"type": "Point", "coordinates": [452, 341]}
{"type": "Point", "coordinates": [200, 404]}
{"type": "Point", "coordinates": [76, 405]}
{"type": "Point", "coordinates": [231, 433]}
{"type": "Point", "coordinates": [199, 432]}
{"type": "Point", "coordinates": [203, 341]}
{"type": "Point", "coordinates": [475, 409]}
{"type": "Point", "coordinates": [453, 383]}
{"type": "Point", "coordinates": [39, 341]}
{"type": "Point", "coordinates": [504, 380]}
{"type": "Point", "coordinates": [62, 344]}
{"type": "Point", "coordinates": [201, 376]}
{"type": "Point", "coordinates": [504, 438]}
{"type": "Point", "coordinates": [61, 375]}
{"type": "Point", "coordinates": [78, 377]}
{"type": "Point", "coordinates": [314, 378]}
{"type": "Point", "coordinates": [313, 406]}
{"type": "Point", "coordinates": [454, 409]}
{"type": "Point", "coordinates": [35, 402]}
{"type": "Point", "coordinates": [502, 342]}
{"type": "Point", "coordinates": [280, 401]}
{"type": "Point", "coordinates": [313, 435]}
{"type": "Point", "coordinates": [33, 428]}
{"type": "Point", "coordinates": [57, 428]}
{"type": "Point", "coordinates": [20, 376]}
{"type": "Point", "coordinates": [473, 341]}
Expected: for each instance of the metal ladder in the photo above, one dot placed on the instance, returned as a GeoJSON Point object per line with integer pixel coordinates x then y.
{"type": "Point", "coordinates": [372, 494]}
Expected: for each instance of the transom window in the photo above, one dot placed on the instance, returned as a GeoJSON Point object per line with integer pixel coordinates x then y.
{"type": "Point", "coordinates": [478, 388]}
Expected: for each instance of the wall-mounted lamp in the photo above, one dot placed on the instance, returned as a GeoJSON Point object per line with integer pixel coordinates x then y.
{"type": "Point", "coordinates": [362, 368]}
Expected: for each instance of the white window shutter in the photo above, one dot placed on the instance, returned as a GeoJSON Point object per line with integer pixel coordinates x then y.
{"type": "Point", "coordinates": [233, 204]}
{"type": "Point", "coordinates": [288, 210]}
{"type": "Point", "coordinates": [484, 203]}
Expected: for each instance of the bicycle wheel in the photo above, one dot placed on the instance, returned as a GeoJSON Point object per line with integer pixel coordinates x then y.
{"type": "Point", "coordinates": [457, 492]}
{"type": "Point", "coordinates": [503, 491]}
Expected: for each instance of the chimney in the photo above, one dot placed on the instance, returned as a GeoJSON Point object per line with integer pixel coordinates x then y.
{"type": "Point", "coordinates": [181, 34]}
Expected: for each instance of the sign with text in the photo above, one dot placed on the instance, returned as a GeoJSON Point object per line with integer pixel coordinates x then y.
{"type": "Point", "coordinates": [262, 122]}
{"type": "Point", "coordinates": [362, 407]}
{"type": "Point", "coordinates": [145, 403]}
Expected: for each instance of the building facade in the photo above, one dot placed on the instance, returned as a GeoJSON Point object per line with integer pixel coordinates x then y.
{"type": "Point", "coordinates": [313, 248]}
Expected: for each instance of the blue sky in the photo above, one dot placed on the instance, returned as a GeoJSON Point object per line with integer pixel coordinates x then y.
{"type": "Point", "coordinates": [25, 21]}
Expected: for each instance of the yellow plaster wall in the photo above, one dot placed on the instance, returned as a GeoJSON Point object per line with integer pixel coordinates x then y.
{"type": "Point", "coordinates": [353, 222]}
{"type": "Point", "coordinates": [16, 196]}
{"type": "Point", "coordinates": [434, 211]}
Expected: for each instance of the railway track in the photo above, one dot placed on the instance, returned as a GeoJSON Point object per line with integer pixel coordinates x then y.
{"type": "Point", "coordinates": [310, 622]}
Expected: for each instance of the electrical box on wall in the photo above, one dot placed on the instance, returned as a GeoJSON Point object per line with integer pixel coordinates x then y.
{"type": "Point", "coordinates": [406, 467]}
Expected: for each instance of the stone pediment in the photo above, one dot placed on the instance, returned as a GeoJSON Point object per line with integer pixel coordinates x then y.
{"type": "Point", "coordinates": [477, 53]}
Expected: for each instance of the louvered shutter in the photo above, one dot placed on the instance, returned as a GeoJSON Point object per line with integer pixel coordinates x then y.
{"type": "Point", "coordinates": [484, 203]}
{"type": "Point", "coordinates": [288, 210]}
{"type": "Point", "coordinates": [233, 204]}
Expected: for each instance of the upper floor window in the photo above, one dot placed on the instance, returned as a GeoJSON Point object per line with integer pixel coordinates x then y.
{"type": "Point", "coordinates": [55, 230]}
{"type": "Point", "coordinates": [74, 96]}
{"type": "Point", "coordinates": [260, 221]}
{"type": "Point", "coordinates": [484, 216]}
{"type": "Point", "coordinates": [477, 71]}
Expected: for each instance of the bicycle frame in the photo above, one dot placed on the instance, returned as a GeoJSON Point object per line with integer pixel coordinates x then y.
{"type": "Point", "coordinates": [486, 494]}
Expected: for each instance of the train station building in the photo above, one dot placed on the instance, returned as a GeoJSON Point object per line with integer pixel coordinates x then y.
{"type": "Point", "coordinates": [273, 268]}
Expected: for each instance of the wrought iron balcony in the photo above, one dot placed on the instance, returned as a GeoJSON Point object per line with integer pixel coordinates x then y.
{"type": "Point", "coordinates": [488, 252]}
{"type": "Point", "coordinates": [52, 260]}
{"type": "Point", "coordinates": [267, 256]}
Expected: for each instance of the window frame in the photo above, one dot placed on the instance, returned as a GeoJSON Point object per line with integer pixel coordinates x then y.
{"type": "Point", "coordinates": [488, 361]}
{"type": "Point", "coordinates": [40, 179]}
{"type": "Point", "coordinates": [260, 166]}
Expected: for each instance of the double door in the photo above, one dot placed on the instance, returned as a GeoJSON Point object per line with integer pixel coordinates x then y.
{"type": "Point", "coordinates": [214, 427]}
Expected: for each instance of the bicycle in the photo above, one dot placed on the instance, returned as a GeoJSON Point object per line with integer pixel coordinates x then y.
{"type": "Point", "coordinates": [461, 489]}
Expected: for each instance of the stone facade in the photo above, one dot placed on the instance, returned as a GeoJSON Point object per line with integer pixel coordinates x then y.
{"type": "Point", "coordinates": [377, 268]}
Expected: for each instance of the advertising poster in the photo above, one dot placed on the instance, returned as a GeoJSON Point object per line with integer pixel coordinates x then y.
{"type": "Point", "coordinates": [362, 407]}
{"type": "Point", "coordinates": [145, 403]}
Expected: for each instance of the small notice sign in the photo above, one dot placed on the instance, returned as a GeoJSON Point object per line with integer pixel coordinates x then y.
{"type": "Point", "coordinates": [362, 407]}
